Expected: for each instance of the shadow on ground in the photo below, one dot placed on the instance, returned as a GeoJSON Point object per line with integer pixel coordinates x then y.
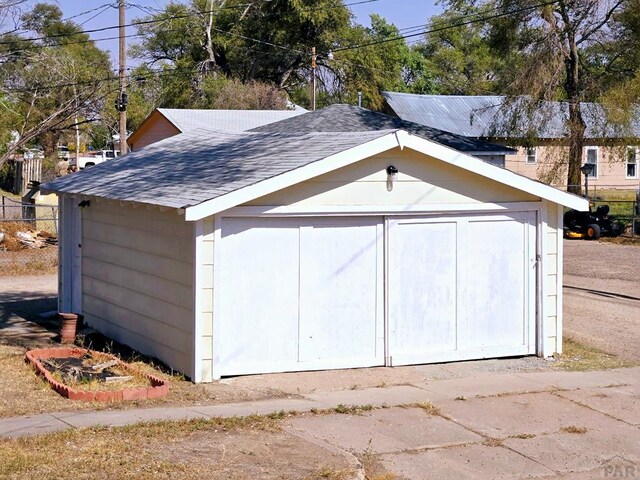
{"type": "Point", "coordinates": [21, 323]}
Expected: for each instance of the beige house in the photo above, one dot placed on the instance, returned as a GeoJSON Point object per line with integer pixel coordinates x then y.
{"type": "Point", "coordinates": [237, 253]}
{"type": "Point", "coordinates": [166, 122]}
{"type": "Point", "coordinates": [543, 157]}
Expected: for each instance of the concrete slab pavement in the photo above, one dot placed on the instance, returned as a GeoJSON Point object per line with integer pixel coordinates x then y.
{"type": "Point", "coordinates": [531, 413]}
{"type": "Point", "coordinates": [622, 403]}
{"type": "Point", "coordinates": [387, 430]}
{"type": "Point", "coordinates": [464, 462]}
{"type": "Point", "coordinates": [574, 452]}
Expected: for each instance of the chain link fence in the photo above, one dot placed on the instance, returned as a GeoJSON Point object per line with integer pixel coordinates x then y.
{"type": "Point", "coordinates": [28, 237]}
{"type": "Point", "coordinates": [623, 204]}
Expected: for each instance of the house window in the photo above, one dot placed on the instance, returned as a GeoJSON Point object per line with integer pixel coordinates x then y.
{"type": "Point", "coordinates": [531, 156]}
{"type": "Point", "coordinates": [592, 158]}
{"type": "Point", "coordinates": [632, 162]}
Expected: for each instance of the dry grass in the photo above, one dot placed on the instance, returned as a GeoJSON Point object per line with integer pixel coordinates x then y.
{"type": "Point", "coordinates": [581, 358]}
{"type": "Point", "coordinates": [229, 448]}
{"type": "Point", "coordinates": [138, 451]}
{"type": "Point", "coordinates": [523, 436]}
{"type": "Point", "coordinates": [493, 442]}
{"type": "Point", "coordinates": [574, 429]}
{"type": "Point", "coordinates": [350, 409]}
{"type": "Point", "coordinates": [372, 466]}
{"type": "Point", "coordinates": [622, 240]}
{"type": "Point", "coordinates": [29, 262]}
{"type": "Point", "coordinates": [23, 392]}
{"type": "Point", "coordinates": [428, 407]}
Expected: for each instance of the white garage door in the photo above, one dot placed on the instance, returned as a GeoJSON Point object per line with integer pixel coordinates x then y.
{"type": "Point", "coordinates": [300, 294]}
{"type": "Point", "coordinates": [461, 287]}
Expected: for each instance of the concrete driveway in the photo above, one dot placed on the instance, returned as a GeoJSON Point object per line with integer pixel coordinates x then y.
{"type": "Point", "coordinates": [602, 296]}
{"type": "Point", "coordinates": [573, 426]}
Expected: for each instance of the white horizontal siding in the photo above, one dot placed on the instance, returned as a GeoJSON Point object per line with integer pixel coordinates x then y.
{"type": "Point", "coordinates": [137, 279]}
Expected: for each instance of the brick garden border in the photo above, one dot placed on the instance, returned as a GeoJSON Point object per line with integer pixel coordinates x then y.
{"type": "Point", "coordinates": [159, 387]}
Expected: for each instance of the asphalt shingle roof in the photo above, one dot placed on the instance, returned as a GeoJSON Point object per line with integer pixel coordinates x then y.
{"type": "Point", "coordinates": [191, 168]}
{"type": "Point", "coordinates": [349, 118]}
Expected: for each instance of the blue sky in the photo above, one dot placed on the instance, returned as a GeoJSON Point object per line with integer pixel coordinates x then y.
{"type": "Point", "coordinates": [403, 13]}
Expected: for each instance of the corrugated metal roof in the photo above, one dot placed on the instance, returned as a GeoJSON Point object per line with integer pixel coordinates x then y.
{"type": "Point", "coordinates": [201, 165]}
{"type": "Point", "coordinates": [349, 118]}
{"type": "Point", "coordinates": [499, 117]}
{"type": "Point", "coordinates": [187, 120]}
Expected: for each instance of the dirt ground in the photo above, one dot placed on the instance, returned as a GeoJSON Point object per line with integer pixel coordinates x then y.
{"type": "Point", "coordinates": [602, 296]}
{"type": "Point", "coordinates": [238, 448]}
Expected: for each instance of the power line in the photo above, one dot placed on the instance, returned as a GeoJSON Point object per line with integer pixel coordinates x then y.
{"type": "Point", "coordinates": [444, 27]}
{"type": "Point", "coordinates": [87, 12]}
{"type": "Point", "coordinates": [348, 48]}
{"type": "Point", "coordinates": [161, 20]}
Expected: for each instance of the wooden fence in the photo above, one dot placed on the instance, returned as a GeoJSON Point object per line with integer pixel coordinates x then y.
{"type": "Point", "coordinates": [25, 171]}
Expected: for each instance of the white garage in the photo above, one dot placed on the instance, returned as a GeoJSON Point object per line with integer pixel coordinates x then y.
{"type": "Point", "coordinates": [268, 253]}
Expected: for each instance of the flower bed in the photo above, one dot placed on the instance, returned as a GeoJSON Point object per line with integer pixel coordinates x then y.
{"type": "Point", "coordinates": [47, 359]}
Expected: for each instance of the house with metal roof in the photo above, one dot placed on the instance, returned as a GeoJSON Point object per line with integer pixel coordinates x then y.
{"type": "Point", "coordinates": [166, 122]}
{"type": "Point", "coordinates": [310, 247]}
{"type": "Point", "coordinates": [538, 136]}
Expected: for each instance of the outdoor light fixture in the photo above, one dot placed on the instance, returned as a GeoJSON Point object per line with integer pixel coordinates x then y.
{"type": "Point", "coordinates": [84, 203]}
{"type": "Point", "coordinates": [587, 169]}
{"type": "Point", "coordinates": [392, 175]}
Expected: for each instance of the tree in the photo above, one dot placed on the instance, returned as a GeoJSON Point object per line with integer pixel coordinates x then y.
{"type": "Point", "coordinates": [460, 59]}
{"type": "Point", "coordinates": [269, 43]}
{"type": "Point", "coordinates": [366, 61]}
{"type": "Point", "coordinates": [554, 43]}
{"type": "Point", "coordinates": [53, 78]}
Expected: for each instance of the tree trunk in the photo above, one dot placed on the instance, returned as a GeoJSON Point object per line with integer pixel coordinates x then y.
{"type": "Point", "coordinates": [576, 124]}
{"type": "Point", "coordinates": [576, 144]}
{"type": "Point", "coordinates": [49, 142]}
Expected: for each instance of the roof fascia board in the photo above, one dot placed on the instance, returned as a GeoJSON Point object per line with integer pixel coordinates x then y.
{"type": "Point", "coordinates": [169, 119]}
{"type": "Point", "coordinates": [497, 174]}
{"type": "Point", "coordinates": [489, 153]}
{"type": "Point", "coordinates": [301, 174]}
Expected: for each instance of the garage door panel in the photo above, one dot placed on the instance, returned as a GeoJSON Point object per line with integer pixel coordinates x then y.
{"type": "Point", "coordinates": [461, 287]}
{"type": "Point", "coordinates": [422, 283]}
{"type": "Point", "coordinates": [494, 284]}
{"type": "Point", "coordinates": [259, 308]}
{"type": "Point", "coordinates": [300, 294]}
{"type": "Point", "coordinates": [339, 276]}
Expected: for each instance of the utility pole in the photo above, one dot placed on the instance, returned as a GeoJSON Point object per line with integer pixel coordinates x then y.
{"type": "Point", "coordinates": [122, 95]}
{"type": "Point", "coordinates": [313, 79]}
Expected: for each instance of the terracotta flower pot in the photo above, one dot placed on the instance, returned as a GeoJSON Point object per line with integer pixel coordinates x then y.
{"type": "Point", "coordinates": [68, 326]}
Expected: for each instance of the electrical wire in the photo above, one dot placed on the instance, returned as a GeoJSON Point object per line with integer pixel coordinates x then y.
{"type": "Point", "coordinates": [175, 17]}
{"type": "Point", "coordinates": [444, 27]}
{"type": "Point", "coordinates": [340, 49]}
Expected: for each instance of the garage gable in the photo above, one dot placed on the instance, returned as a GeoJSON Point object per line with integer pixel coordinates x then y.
{"type": "Point", "coordinates": [421, 180]}
{"type": "Point", "coordinates": [390, 142]}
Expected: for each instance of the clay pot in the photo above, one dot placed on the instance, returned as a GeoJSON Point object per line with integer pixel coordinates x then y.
{"type": "Point", "coordinates": [68, 326]}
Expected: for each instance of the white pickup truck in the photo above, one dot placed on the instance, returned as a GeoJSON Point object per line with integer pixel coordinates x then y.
{"type": "Point", "coordinates": [91, 160]}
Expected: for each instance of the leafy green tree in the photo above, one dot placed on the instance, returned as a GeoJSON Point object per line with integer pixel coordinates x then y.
{"type": "Point", "coordinates": [53, 78]}
{"type": "Point", "coordinates": [369, 63]}
{"type": "Point", "coordinates": [269, 43]}
{"type": "Point", "coordinates": [461, 60]}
